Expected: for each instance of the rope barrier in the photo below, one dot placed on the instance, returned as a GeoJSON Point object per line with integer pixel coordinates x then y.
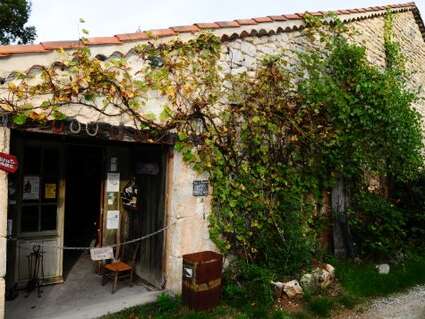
{"type": "Point", "coordinates": [128, 242]}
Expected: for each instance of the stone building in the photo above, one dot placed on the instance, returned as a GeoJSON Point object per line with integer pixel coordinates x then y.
{"type": "Point", "coordinates": [41, 215]}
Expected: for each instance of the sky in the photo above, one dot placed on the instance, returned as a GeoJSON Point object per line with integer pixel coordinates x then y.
{"type": "Point", "coordinates": [59, 19]}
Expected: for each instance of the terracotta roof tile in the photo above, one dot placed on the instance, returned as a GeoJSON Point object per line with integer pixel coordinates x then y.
{"type": "Point", "coordinates": [132, 36]}
{"type": "Point", "coordinates": [292, 16]}
{"type": "Point", "coordinates": [186, 28]}
{"type": "Point", "coordinates": [278, 18]}
{"type": "Point", "coordinates": [207, 25]}
{"type": "Point", "coordinates": [246, 21]}
{"type": "Point", "coordinates": [316, 13]}
{"type": "Point", "coordinates": [54, 45]}
{"type": "Point", "coordinates": [159, 33]}
{"type": "Point", "coordinates": [146, 35]}
{"type": "Point", "coordinates": [370, 9]}
{"type": "Point", "coordinates": [17, 49]}
{"type": "Point", "coordinates": [263, 19]}
{"type": "Point", "coordinates": [103, 40]}
{"type": "Point", "coordinates": [228, 24]}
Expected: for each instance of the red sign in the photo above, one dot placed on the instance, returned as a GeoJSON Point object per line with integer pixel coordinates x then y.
{"type": "Point", "coordinates": [8, 163]}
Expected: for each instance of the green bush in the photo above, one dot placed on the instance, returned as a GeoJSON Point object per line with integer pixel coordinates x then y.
{"type": "Point", "coordinates": [247, 287]}
{"type": "Point", "coordinates": [279, 314]}
{"type": "Point", "coordinates": [377, 226]}
{"type": "Point", "coordinates": [321, 306]}
{"type": "Point", "coordinates": [167, 304]}
{"type": "Point", "coordinates": [410, 198]}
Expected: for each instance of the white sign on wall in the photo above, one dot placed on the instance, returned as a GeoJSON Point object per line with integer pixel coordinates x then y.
{"type": "Point", "coordinates": [113, 219]}
{"type": "Point", "coordinates": [113, 182]}
{"type": "Point", "coordinates": [101, 253]}
{"type": "Point", "coordinates": [31, 187]}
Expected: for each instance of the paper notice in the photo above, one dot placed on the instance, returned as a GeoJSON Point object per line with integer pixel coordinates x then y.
{"type": "Point", "coordinates": [31, 187]}
{"type": "Point", "coordinates": [113, 219]}
{"type": "Point", "coordinates": [113, 182]}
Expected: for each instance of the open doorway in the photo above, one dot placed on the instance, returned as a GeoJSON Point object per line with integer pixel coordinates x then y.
{"type": "Point", "coordinates": [83, 177]}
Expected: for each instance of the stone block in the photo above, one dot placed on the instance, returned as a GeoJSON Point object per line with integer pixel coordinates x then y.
{"type": "Point", "coordinates": [292, 289]}
{"type": "Point", "coordinates": [248, 49]}
{"type": "Point", "coordinates": [236, 57]}
{"type": "Point", "coordinates": [3, 245]}
{"type": "Point", "coordinates": [2, 297]}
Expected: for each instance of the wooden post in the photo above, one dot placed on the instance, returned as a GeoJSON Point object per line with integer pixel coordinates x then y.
{"type": "Point", "coordinates": [343, 246]}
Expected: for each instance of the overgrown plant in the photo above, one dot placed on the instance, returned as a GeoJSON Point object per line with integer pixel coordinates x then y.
{"type": "Point", "coordinates": [378, 226]}
{"type": "Point", "coordinates": [270, 142]}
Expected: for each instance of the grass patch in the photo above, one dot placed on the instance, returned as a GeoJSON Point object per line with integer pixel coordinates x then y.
{"type": "Point", "coordinates": [169, 307]}
{"type": "Point", "coordinates": [321, 306]}
{"type": "Point", "coordinates": [364, 281]}
{"type": "Point", "coordinates": [347, 301]}
{"type": "Point", "coordinates": [359, 282]}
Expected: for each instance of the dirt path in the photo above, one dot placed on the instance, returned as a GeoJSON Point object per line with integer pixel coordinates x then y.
{"type": "Point", "coordinates": [408, 305]}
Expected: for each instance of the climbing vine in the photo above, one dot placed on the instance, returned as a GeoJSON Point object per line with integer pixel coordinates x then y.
{"type": "Point", "coordinates": [271, 142]}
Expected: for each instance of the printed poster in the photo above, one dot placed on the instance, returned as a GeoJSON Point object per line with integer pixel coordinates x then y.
{"type": "Point", "coordinates": [102, 253]}
{"type": "Point", "coordinates": [113, 182]}
{"type": "Point", "coordinates": [113, 219]}
{"type": "Point", "coordinates": [31, 187]}
{"type": "Point", "coordinates": [50, 191]}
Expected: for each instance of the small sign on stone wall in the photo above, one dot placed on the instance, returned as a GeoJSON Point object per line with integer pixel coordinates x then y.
{"type": "Point", "coordinates": [200, 188]}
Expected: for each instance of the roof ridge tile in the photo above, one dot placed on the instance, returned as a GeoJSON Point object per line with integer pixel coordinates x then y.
{"type": "Point", "coordinates": [46, 46]}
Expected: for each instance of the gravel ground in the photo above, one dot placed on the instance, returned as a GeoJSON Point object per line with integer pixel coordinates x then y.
{"type": "Point", "coordinates": [407, 305]}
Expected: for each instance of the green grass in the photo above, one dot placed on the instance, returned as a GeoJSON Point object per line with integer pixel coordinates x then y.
{"type": "Point", "coordinates": [168, 307]}
{"type": "Point", "coordinates": [321, 306]}
{"type": "Point", "coordinates": [359, 282]}
{"type": "Point", "coordinates": [364, 281]}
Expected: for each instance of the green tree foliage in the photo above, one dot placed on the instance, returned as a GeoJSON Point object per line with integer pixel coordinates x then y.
{"type": "Point", "coordinates": [14, 15]}
{"type": "Point", "coordinates": [378, 226]}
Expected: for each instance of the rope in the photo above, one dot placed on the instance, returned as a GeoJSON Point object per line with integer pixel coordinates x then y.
{"type": "Point", "coordinates": [128, 242]}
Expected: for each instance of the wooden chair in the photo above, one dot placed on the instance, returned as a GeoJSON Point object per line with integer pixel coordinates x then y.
{"type": "Point", "coordinates": [118, 270]}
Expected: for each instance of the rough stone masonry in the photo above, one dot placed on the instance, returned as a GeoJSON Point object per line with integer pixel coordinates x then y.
{"type": "Point", "coordinates": [243, 45]}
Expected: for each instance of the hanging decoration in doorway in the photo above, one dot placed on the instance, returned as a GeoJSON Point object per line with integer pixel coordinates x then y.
{"type": "Point", "coordinates": [75, 127]}
{"type": "Point", "coordinates": [93, 130]}
{"type": "Point", "coordinates": [129, 195]}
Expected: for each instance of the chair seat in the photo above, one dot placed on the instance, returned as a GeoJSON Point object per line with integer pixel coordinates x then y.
{"type": "Point", "coordinates": [118, 266]}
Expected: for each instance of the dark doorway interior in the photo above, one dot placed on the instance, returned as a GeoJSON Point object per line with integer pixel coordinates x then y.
{"type": "Point", "coordinates": [82, 205]}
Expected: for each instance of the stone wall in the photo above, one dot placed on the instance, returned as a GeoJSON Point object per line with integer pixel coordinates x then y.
{"type": "Point", "coordinates": [4, 148]}
{"type": "Point", "coordinates": [191, 233]}
{"type": "Point", "coordinates": [188, 215]}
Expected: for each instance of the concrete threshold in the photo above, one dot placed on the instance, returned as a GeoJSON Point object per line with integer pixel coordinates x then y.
{"type": "Point", "coordinates": [81, 296]}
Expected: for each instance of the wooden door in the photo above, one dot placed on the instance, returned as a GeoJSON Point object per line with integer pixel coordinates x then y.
{"type": "Point", "coordinates": [39, 201]}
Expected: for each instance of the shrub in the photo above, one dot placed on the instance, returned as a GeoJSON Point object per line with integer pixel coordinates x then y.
{"type": "Point", "coordinates": [321, 306]}
{"type": "Point", "coordinates": [248, 286]}
{"type": "Point", "coordinates": [166, 304]}
{"type": "Point", "coordinates": [410, 198]}
{"type": "Point", "coordinates": [377, 226]}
